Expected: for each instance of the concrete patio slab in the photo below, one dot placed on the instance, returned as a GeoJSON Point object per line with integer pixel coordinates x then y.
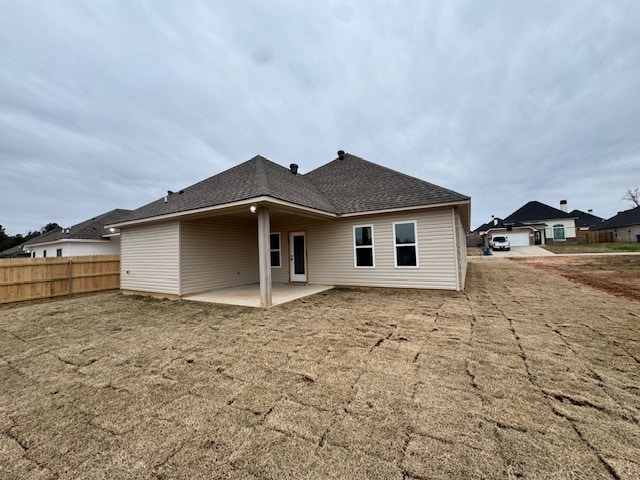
{"type": "Point", "coordinates": [249, 295]}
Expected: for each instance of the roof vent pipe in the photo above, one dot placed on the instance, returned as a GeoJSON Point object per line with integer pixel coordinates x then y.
{"type": "Point", "coordinates": [590, 210]}
{"type": "Point", "coordinates": [341, 154]}
{"type": "Point", "coordinates": [563, 205]}
{"type": "Point", "coordinates": [294, 168]}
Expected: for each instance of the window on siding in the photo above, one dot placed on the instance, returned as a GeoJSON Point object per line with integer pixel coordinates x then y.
{"type": "Point", "coordinates": [558, 232]}
{"type": "Point", "coordinates": [59, 252]}
{"type": "Point", "coordinates": [275, 250]}
{"type": "Point", "coordinates": [363, 246]}
{"type": "Point", "coordinates": [405, 240]}
{"type": "Point", "coordinates": [33, 254]}
{"type": "Point", "coordinates": [44, 253]}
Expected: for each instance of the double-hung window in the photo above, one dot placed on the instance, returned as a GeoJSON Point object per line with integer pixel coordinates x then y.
{"type": "Point", "coordinates": [405, 240]}
{"type": "Point", "coordinates": [363, 246]}
{"type": "Point", "coordinates": [274, 240]}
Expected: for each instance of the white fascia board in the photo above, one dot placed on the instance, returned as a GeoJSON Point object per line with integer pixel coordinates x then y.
{"type": "Point", "coordinates": [404, 209]}
{"type": "Point", "coordinates": [65, 240]}
{"type": "Point", "coordinates": [248, 202]}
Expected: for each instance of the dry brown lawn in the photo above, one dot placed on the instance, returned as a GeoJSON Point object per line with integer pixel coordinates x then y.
{"type": "Point", "coordinates": [526, 375]}
{"type": "Point", "coordinates": [616, 274]}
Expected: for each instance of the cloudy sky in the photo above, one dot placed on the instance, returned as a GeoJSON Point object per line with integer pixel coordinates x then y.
{"type": "Point", "coordinates": [109, 104]}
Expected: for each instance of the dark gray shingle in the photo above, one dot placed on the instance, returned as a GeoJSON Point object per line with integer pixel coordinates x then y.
{"type": "Point", "coordinates": [350, 185]}
{"type": "Point", "coordinates": [92, 229]}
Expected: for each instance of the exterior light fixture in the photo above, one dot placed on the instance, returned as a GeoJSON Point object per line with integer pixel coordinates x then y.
{"type": "Point", "coordinates": [112, 230]}
{"type": "Point", "coordinates": [253, 209]}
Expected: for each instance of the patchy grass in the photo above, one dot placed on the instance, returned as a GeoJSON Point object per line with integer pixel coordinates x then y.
{"type": "Point", "coordinates": [518, 377]}
{"type": "Point", "coordinates": [592, 247]}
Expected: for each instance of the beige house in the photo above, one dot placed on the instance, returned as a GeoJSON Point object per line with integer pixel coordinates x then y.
{"type": "Point", "coordinates": [349, 222]}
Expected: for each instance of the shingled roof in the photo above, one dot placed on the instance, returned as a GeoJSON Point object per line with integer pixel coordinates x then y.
{"type": "Point", "coordinates": [586, 220]}
{"type": "Point", "coordinates": [536, 211]}
{"type": "Point", "coordinates": [92, 229]}
{"type": "Point", "coordinates": [622, 219]}
{"type": "Point", "coordinates": [355, 185]}
{"type": "Point", "coordinates": [345, 185]}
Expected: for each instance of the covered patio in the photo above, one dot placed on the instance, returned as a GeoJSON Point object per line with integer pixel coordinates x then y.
{"type": "Point", "coordinates": [249, 295]}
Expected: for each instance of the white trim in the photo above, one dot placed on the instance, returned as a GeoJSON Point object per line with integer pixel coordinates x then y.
{"type": "Point", "coordinates": [415, 245]}
{"type": "Point", "coordinates": [372, 247]}
{"type": "Point", "coordinates": [264, 198]}
{"type": "Point", "coordinates": [456, 246]}
{"type": "Point", "coordinates": [66, 240]}
{"type": "Point", "coordinates": [279, 249]}
{"type": "Point", "coordinates": [248, 202]}
{"type": "Point", "coordinates": [553, 231]}
{"type": "Point", "coordinates": [403, 209]}
{"type": "Point", "coordinates": [297, 277]}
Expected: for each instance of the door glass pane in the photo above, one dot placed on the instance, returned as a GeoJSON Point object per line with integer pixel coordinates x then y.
{"type": "Point", "coordinates": [405, 233]}
{"type": "Point", "coordinates": [298, 254]}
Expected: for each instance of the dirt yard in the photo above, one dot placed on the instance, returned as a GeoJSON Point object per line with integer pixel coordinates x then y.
{"type": "Point", "coordinates": [526, 375]}
{"type": "Point", "coordinates": [618, 275]}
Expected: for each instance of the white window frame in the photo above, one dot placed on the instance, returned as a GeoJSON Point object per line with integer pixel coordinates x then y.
{"type": "Point", "coordinates": [372, 247]}
{"type": "Point", "coordinates": [564, 234]}
{"type": "Point", "coordinates": [279, 250]}
{"type": "Point", "coordinates": [415, 245]}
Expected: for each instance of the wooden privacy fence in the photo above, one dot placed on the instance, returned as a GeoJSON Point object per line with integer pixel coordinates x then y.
{"type": "Point", "coordinates": [597, 236]}
{"type": "Point", "coordinates": [24, 279]}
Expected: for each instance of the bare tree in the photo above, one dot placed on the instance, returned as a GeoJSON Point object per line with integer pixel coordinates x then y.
{"type": "Point", "coordinates": [632, 196]}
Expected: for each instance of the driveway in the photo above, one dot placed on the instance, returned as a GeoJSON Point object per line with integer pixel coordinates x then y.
{"type": "Point", "coordinates": [530, 251]}
{"type": "Point", "coordinates": [524, 375]}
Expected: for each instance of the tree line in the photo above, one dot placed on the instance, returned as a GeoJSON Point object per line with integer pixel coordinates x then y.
{"type": "Point", "coordinates": [10, 241]}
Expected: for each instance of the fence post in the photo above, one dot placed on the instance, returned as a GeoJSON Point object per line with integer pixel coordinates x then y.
{"type": "Point", "coordinates": [70, 277]}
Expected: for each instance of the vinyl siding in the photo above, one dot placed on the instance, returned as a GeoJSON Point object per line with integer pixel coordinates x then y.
{"type": "Point", "coordinates": [150, 258]}
{"type": "Point", "coordinates": [217, 253]}
{"type": "Point", "coordinates": [330, 255]}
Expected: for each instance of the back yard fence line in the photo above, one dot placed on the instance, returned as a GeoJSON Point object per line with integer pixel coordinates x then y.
{"type": "Point", "coordinates": [25, 279]}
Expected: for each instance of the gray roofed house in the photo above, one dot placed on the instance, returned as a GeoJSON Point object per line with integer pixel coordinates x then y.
{"type": "Point", "coordinates": [85, 238]}
{"type": "Point", "coordinates": [625, 225]}
{"type": "Point", "coordinates": [586, 220]}
{"type": "Point", "coordinates": [349, 222]}
{"type": "Point", "coordinates": [14, 252]}
{"type": "Point", "coordinates": [535, 223]}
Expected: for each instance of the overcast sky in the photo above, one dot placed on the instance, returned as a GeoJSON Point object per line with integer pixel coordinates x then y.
{"type": "Point", "coordinates": [109, 104]}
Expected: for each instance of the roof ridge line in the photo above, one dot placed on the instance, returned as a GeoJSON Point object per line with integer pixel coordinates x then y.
{"type": "Point", "coordinates": [261, 176]}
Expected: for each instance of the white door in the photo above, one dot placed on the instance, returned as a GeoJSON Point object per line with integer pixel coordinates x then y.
{"type": "Point", "coordinates": [518, 239]}
{"type": "Point", "coordinates": [297, 257]}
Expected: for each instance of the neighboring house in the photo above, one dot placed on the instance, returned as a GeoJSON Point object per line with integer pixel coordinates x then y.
{"type": "Point", "coordinates": [585, 222]}
{"type": "Point", "coordinates": [14, 252]}
{"type": "Point", "coordinates": [533, 224]}
{"type": "Point", "coordinates": [86, 238]}
{"type": "Point", "coordinates": [519, 235]}
{"type": "Point", "coordinates": [349, 222]}
{"type": "Point", "coordinates": [625, 226]}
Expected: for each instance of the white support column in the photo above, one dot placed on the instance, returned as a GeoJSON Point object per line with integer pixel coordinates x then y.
{"type": "Point", "coordinates": [264, 255]}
